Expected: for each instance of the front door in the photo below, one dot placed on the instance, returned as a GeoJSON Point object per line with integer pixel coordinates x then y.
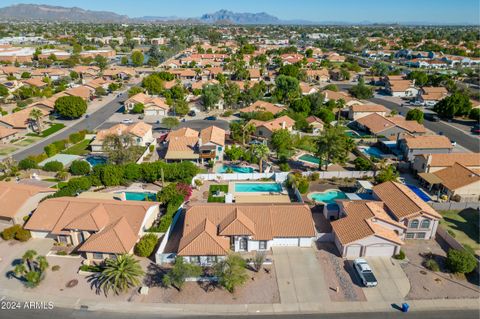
{"type": "Point", "coordinates": [243, 243]}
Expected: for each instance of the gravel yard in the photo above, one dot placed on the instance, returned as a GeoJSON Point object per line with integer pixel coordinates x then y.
{"type": "Point", "coordinates": [337, 273]}
{"type": "Point", "coordinates": [426, 284]}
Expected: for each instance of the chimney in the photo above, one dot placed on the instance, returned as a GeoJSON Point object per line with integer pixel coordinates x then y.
{"type": "Point", "coordinates": [284, 125]}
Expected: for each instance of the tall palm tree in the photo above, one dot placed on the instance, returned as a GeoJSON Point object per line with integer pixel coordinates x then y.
{"type": "Point", "coordinates": [120, 274]}
{"type": "Point", "coordinates": [36, 116]}
{"type": "Point", "coordinates": [261, 152]}
{"type": "Point", "coordinates": [247, 130]}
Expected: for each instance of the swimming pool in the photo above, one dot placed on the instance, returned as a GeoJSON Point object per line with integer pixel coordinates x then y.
{"type": "Point", "coordinates": [328, 197]}
{"type": "Point", "coordinates": [258, 187]}
{"type": "Point", "coordinates": [236, 169]}
{"type": "Point", "coordinates": [372, 151]}
{"type": "Point", "coordinates": [419, 192]}
{"type": "Point", "coordinates": [141, 196]}
{"type": "Point", "coordinates": [96, 160]}
{"type": "Point", "coordinates": [310, 159]}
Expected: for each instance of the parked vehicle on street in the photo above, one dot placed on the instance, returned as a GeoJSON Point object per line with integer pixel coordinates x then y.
{"type": "Point", "coordinates": [127, 121]}
{"type": "Point", "coordinates": [365, 272]}
{"type": "Point", "coordinates": [476, 129]}
{"type": "Point", "coordinates": [211, 118]}
{"type": "Point", "coordinates": [192, 113]}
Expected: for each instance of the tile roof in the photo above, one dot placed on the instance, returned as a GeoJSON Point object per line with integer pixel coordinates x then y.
{"type": "Point", "coordinates": [139, 129]}
{"type": "Point", "coordinates": [5, 131]}
{"type": "Point", "coordinates": [402, 201]}
{"type": "Point", "coordinates": [275, 124]}
{"type": "Point", "coordinates": [213, 134]}
{"type": "Point", "coordinates": [361, 221]}
{"type": "Point", "coordinates": [369, 108]}
{"type": "Point", "coordinates": [377, 123]}
{"type": "Point", "coordinates": [118, 222]}
{"type": "Point", "coordinates": [448, 159]}
{"type": "Point", "coordinates": [333, 95]}
{"type": "Point", "coordinates": [265, 221]}
{"type": "Point", "coordinates": [262, 106]}
{"type": "Point", "coordinates": [400, 85]}
{"type": "Point", "coordinates": [457, 176]}
{"type": "Point", "coordinates": [13, 196]}
{"type": "Point", "coordinates": [428, 142]}
{"type": "Point", "coordinates": [21, 118]}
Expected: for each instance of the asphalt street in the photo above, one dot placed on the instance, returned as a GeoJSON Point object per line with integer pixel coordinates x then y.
{"type": "Point", "coordinates": [93, 121]}
{"type": "Point", "coordinates": [84, 314]}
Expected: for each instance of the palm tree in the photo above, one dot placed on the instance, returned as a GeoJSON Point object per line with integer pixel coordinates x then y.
{"type": "Point", "coordinates": [261, 152]}
{"type": "Point", "coordinates": [36, 116]}
{"type": "Point", "coordinates": [231, 272]}
{"type": "Point", "coordinates": [28, 258]}
{"type": "Point", "coordinates": [247, 130]}
{"type": "Point", "coordinates": [120, 274]}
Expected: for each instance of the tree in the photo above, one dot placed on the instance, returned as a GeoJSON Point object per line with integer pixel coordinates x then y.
{"type": "Point", "coordinates": [120, 148]}
{"type": "Point", "coordinates": [170, 122]}
{"type": "Point", "coordinates": [332, 146]}
{"type": "Point", "coordinates": [242, 131]}
{"type": "Point", "coordinates": [380, 69]}
{"type": "Point", "coordinates": [138, 108]}
{"type": "Point", "coordinates": [124, 60]}
{"type": "Point", "coordinates": [281, 141]}
{"type": "Point", "coordinates": [137, 58]}
{"type": "Point", "coordinates": [100, 91]}
{"type": "Point", "coordinates": [71, 107]}
{"type": "Point", "coordinates": [36, 116]}
{"type": "Point", "coordinates": [134, 91]}
{"type": "Point", "coordinates": [179, 272]}
{"type": "Point", "coordinates": [211, 95]}
{"type": "Point", "coordinates": [153, 84]}
{"type": "Point", "coordinates": [80, 167]}
{"type": "Point", "coordinates": [231, 94]}
{"type": "Point", "coordinates": [101, 62]}
{"type": "Point", "coordinates": [362, 164]}
{"type": "Point", "coordinates": [261, 152]}
{"type": "Point", "coordinates": [27, 163]}
{"type": "Point", "coordinates": [415, 115]}
{"type": "Point", "coordinates": [32, 269]}
{"type": "Point", "coordinates": [420, 77]}
{"type": "Point", "coordinates": [287, 88]}
{"type": "Point", "coordinates": [231, 272]}
{"type": "Point", "coordinates": [119, 274]}
{"type": "Point", "coordinates": [475, 114]}
{"type": "Point", "coordinates": [326, 115]}
{"type": "Point", "coordinates": [145, 246]}
{"type": "Point", "coordinates": [386, 174]}
{"type": "Point", "coordinates": [461, 261]}
{"type": "Point", "coordinates": [74, 75]}
{"type": "Point", "coordinates": [361, 91]}
{"type": "Point", "coordinates": [3, 91]}
{"type": "Point", "coordinates": [180, 107]}
{"type": "Point", "coordinates": [53, 166]}
{"type": "Point", "coordinates": [457, 104]}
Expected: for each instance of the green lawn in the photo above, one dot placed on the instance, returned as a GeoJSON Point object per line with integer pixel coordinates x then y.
{"type": "Point", "coordinates": [464, 224]}
{"type": "Point", "coordinates": [7, 150]}
{"type": "Point", "coordinates": [49, 131]}
{"type": "Point", "coordinates": [78, 149]}
{"type": "Point", "coordinates": [217, 199]}
{"type": "Point", "coordinates": [27, 141]}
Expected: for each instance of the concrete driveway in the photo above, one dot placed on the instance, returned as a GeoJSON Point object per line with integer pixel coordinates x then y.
{"type": "Point", "coordinates": [299, 276]}
{"type": "Point", "coordinates": [393, 283]}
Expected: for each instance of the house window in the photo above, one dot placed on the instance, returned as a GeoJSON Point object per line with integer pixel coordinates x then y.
{"type": "Point", "coordinates": [414, 223]}
{"type": "Point", "coordinates": [410, 235]}
{"type": "Point", "coordinates": [63, 239]}
{"type": "Point", "coordinates": [243, 244]}
{"type": "Point", "coordinates": [425, 223]}
{"type": "Point", "coordinates": [219, 148]}
{"type": "Point", "coordinates": [262, 245]}
{"type": "Point", "coordinates": [195, 259]}
{"type": "Point", "coordinates": [420, 236]}
{"type": "Point", "coordinates": [97, 256]}
{"type": "Point", "coordinates": [211, 259]}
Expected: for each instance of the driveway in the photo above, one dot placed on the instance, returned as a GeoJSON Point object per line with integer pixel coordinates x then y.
{"type": "Point", "coordinates": [393, 284]}
{"type": "Point", "coordinates": [299, 275]}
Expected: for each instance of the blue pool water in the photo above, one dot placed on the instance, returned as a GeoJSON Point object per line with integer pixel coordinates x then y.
{"type": "Point", "coordinates": [139, 196]}
{"type": "Point", "coordinates": [236, 169]}
{"type": "Point", "coordinates": [419, 192]}
{"type": "Point", "coordinates": [328, 197]}
{"type": "Point", "coordinates": [373, 151]}
{"type": "Point", "coordinates": [96, 160]}
{"type": "Point", "coordinates": [310, 159]}
{"type": "Point", "coordinates": [257, 187]}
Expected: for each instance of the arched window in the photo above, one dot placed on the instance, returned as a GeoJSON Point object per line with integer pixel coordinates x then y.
{"type": "Point", "coordinates": [425, 223]}
{"type": "Point", "coordinates": [414, 223]}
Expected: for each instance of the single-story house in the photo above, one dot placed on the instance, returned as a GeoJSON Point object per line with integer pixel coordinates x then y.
{"type": "Point", "coordinates": [262, 106]}
{"type": "Point", "coordinates": [153, 106]}
{"type": "Point", "coordinates": [211, 231]}
{"type": "Point", "coordinates": [19, 200]}
{"type": "Point", "coordinates": [406, 207]}
{"type": "Point", "coordinates": [265, 129]}
{"type": "Point", "coordinates": [141, 133]}
{"type": "Point", "coordinates": [7, 134]}
{"type": "Point", "coordinates": [390, 127]}
{"type": "Point", "coordinates": [98, 228]}
{"type": "Point", "coordinates": [364, 229]}
{"type": "Point", "coordinates": [401, 88]}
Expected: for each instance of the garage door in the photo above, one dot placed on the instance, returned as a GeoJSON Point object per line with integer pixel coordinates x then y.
{"type": "Point", "coordinates": [286, 242]}
{"type": "Point", "coordinates": [353, 251]}
{"type": "Point", "coordinates": [380, 250]}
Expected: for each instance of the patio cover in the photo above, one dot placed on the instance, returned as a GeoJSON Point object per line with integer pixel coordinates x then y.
{"type": "Point", "coordinates": [430, 178]}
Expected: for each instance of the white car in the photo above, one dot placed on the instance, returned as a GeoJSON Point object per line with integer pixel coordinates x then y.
{"type": "Point", "coordinates": [127, 121]}
{"type": "Point", "coordinates": [365, 272]}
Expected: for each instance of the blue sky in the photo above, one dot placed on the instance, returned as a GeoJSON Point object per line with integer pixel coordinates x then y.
{"type": "Point", "coordinates": [436, 11]}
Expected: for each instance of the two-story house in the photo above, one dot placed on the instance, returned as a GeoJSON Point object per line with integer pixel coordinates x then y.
{"type": "Point", "coordinates": [140, 132]}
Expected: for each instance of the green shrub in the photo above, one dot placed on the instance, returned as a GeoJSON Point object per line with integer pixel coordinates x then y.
{"type": "Point", "coordinates": [362, 164]}
{"type": "Point", "coordinates": [303, 186]}
{"type": "Point", "coordinates": [23, 235]}
{"type": "Point", "coordinates": [284, 167]}
{"type": "Point", "coordinates": [151, 148]}
{"type": "Point", "coordinates": [146, 245]}
{"type": "Point", "coordinates": [91, 268]}
{"type": "Point", "coordinates": [10, 232]}
{"type": "Point", "coordinates": [432, 265]}
{"type": "Point", "coordinates": [461, 261]}
{"type": "Point", "coordinates": [74, 138]}
{"type": "Point", "coordinates": [167, 219]}
{"type": "Point", "coordinates": [53, 166]}
{"type": "Point", "coordinates": [79, 167]}
{"type": "Point", "coordinates": [27, 163]}
{"type": "Point", "coordinates": [400, 255]}
{"type": "Point", "coordinates": [60, 145]}
{"type": "Point", "coordinates": [50, 150]}
{"type": "Point", "coordinates": [315, 176]}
